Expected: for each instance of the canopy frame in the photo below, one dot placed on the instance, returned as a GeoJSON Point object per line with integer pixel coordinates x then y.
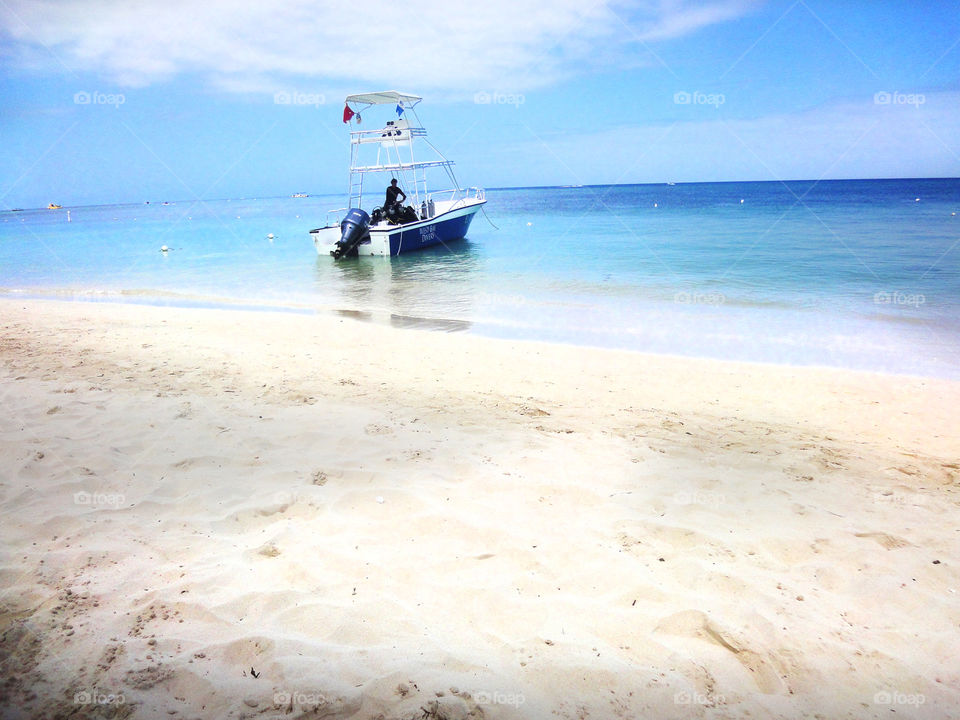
{"type": "Point", "coordinates": [386, 97]}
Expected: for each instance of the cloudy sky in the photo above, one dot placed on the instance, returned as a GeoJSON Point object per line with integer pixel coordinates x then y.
{"type": "Point", "coordinates": [107, 101]}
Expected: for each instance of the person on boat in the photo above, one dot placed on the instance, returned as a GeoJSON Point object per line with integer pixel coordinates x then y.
{"type": "Point", "coordinates": [392, 192]}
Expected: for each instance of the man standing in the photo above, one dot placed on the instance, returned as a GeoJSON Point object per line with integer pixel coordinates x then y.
{"type": "Point", "coordinates": [392, 192]}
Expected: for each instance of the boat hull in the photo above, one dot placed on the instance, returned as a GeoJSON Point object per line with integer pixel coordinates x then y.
{"type": "Point", "coordinates": [389, 240]}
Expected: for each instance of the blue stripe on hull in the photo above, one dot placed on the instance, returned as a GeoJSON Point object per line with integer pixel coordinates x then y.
{"type": "Point", "coordinates": [433, 234]}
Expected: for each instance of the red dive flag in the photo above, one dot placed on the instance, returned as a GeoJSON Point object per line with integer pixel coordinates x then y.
{"type": "Point", "coordinates": [347, 113]}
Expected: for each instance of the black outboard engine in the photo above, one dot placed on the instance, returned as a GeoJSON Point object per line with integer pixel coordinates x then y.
{"type": "Point", "coordinates": [354, 229]}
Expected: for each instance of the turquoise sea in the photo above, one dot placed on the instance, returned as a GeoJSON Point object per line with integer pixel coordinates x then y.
{"type": "Point", "coordinates": [854, 273]}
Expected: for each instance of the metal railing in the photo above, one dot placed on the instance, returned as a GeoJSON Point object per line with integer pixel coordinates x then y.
{"type": "Point", "coordinates": [383, 135]}
{"type": "Point", "coordinates": [458, 194]}
{"type": "Point", "coordinates": [454, 195]}
{"type": "Point", "coordinates": [340, 212]}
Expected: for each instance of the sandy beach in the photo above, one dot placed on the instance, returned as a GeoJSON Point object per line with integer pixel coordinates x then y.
{"type": "Point", "coordinates": [237, 514]}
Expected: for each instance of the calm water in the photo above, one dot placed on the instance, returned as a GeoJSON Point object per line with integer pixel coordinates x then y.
{"type": "Point", "coordinates": [843, 273]}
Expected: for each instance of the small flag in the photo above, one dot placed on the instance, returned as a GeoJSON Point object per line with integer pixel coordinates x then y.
{"type": "Point", "coordinates": [347, 113]}
{"type": "Point", "coordinates": [399, 108]}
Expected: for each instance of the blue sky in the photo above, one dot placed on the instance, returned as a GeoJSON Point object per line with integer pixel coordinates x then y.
{"type": "Point", "coordinates": [182, 95]}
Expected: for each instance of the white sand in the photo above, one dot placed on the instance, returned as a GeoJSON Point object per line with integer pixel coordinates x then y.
{"type": "Point", "coordinates": [405, 524]}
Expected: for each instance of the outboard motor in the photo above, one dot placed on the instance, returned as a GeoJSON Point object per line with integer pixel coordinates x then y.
{"type": "Point", "coordinates": [354, 229]}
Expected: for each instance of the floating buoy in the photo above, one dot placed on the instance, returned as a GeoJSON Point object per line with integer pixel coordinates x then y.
{"type": "Point", "coordinates": [529, 224]}
{"type": "Point", "coordinates": [741, 201]}
{"type": "Point", "coordinates": [916, 199]}
{"type": "Point", "coordinates": [656, 204]}
{"type": "Point", "coordinates": [269, 236]}
{"type": "Point", "coordinates": [164, 248]}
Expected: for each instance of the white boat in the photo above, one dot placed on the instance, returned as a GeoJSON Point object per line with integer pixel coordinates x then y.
{"type": "Point", "coordinates": [430, 217]}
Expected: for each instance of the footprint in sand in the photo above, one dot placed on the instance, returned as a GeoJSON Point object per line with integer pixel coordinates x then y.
{"type": "Point", "coordinates": [110, 655]}
{"type": "Point", "coordinates": [148, 677]}
{"type": "Point", "coordinates": [910, 470]}
{"type": "Point", "coordinates": [375, 429]}
{"type": "Point", "coordinates": [889, 542]}
{"type": "Point", "coordinates": [269, 550]}
{"type": "Point", "coordinates": [830, 459]}
{"type": "Point", "coordinates": [695, 624]}
{"type": "Point", "coordinates": [531, 411]}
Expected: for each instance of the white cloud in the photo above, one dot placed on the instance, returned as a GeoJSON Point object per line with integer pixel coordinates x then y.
{"type": "Point", "coordinates": [675, 20]}
{"type": "Point", "coordinates": [502, 44]}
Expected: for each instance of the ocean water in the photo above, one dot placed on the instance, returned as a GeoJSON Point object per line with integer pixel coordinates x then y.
{"type": "Point", "coordinates": [856, 274]}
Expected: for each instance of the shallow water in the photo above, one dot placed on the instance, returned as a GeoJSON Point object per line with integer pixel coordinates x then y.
{"type": "Point", "coordinates": [854, 274]}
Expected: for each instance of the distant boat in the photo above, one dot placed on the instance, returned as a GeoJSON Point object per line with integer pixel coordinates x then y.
{"type": "Point", "coordinates": [299, 195]}
{"type": "Point", "coordinates": [52, 206]}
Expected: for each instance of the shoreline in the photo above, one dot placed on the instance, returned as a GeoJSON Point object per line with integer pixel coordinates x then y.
{"type": "Point", "coordinates": [604, 339]}
{"type": "Point", "coordinates": [381, 520]}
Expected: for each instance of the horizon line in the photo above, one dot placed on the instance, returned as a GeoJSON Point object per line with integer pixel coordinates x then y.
{"type": "Point", "coordinates": [566, 186]}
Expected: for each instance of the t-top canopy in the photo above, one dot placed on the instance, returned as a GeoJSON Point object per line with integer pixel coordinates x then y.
{"type": "Point", "coordinates": [387, 97]}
